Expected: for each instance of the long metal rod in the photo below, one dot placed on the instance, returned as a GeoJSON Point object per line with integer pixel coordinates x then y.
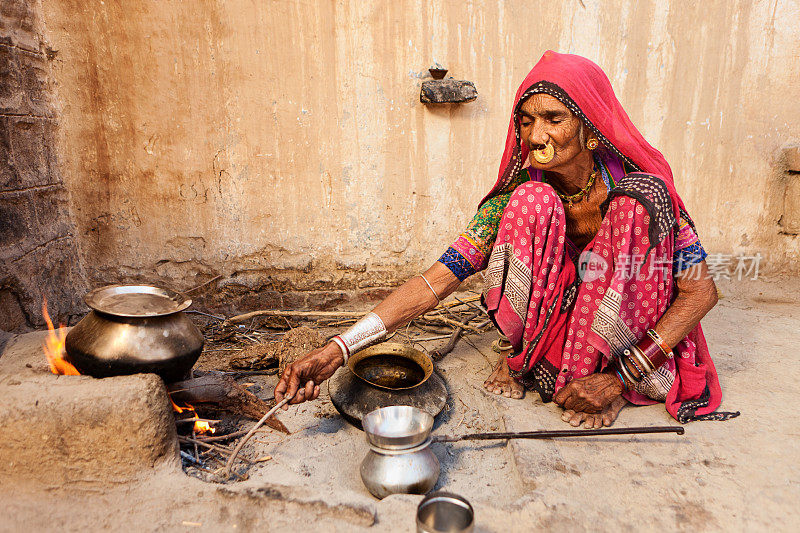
{"type": "Point", "coordinates": [558, 433]}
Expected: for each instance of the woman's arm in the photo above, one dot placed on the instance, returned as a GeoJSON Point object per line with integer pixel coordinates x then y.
{"type": "Point", "coordinates": [303, 377]}
{"type": "Point", "coordinates": [696, 295]}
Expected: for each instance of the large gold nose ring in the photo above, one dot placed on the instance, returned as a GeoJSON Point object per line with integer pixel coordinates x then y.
{"type": "Point", "coordinates": [545, 155]}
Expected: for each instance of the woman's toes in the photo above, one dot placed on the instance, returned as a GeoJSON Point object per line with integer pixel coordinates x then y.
{"type": "Point", "coordinates": [593, 422]}
{"type": "Point", "coordinates": [567, 415]}
{"type": "Point", "coordinates": [577, 419]}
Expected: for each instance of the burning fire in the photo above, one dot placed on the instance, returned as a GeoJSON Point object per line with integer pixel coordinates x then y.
{"type": "Point", "coordinates": [200, 426]}
{"type": "Point", "coordinates": [54, 347]}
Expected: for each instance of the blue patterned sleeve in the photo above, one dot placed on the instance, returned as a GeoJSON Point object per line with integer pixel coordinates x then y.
{"type": "Point", "coordinates": [470, 252]}
{"type": "Point", "coordinates": [688, 250]}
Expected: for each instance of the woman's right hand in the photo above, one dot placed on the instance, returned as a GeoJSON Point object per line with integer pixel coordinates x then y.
{"type": "Point", "coordinates": [302, 378]}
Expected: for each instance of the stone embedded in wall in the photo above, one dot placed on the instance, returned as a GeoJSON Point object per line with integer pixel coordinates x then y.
{"type": "Point", "coordinates": [791, 155]}
{"type": "Point", "coordinates": [447, 91]}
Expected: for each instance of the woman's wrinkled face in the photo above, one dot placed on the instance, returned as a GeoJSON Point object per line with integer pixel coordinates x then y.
{"type": "Point", "coordinates": [544, 119]}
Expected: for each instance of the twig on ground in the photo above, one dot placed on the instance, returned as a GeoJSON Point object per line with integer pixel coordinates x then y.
{"type": "Point", "coordinates": [478, 308]}
{"type": "Point", "coordinates": [294, 314]}
{"type": "Point", "coordinates": [214, 447]}
{"type": "Point", "coordinates": [451, 322]}
{"type": "Point", "coordinates": [228, 436]}
{"type": "Point", "coordinates": [196, 312]}
{"type": "Point", "coordinates": [447, 348]}
{"type": "Point", "coordinates": [194, 443]}
{"type": "Point", "coordinates": [250, 433]}
{"type": "Point", "coordinates": [191, 459]}
{"type": "Point", "coordinates": [434, 338]}
{"type": "Point", "coordinates": [196, 419]}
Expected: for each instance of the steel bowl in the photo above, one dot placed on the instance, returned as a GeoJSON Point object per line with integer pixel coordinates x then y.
{"type": "Point", "coordinates": [445, 512]}
{"type": "Point", "coordinates": [397, 427]}
{"type": "Point", "coordinates": [391, 366]}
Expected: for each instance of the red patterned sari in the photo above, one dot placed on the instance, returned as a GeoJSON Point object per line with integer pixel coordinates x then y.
{"type": "Point", "coordinates": [570, 312]}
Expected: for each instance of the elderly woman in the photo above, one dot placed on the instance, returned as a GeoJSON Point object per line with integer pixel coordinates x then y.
{"type": "Point", "coordinates": [594, 273]}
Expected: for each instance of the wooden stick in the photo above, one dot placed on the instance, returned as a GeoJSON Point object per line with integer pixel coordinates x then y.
{"type": "Point", "coordinates": [196, 419]}
{"type": "Point", "coordinates": [451, 322]}
{"type": "Point", "coordinates": [217, 438]}
{"type": "Point", "coordinates": [439, 354]}
{"type": "Point", "coordinates": [324, 314]}
{"type": "Point", "coordinates": [250, 433]}
{"type": "Point", "coordinates": [558, 433]}
{"type": "Point", "coordinates": [295, 314]}
{"type": "Point", "coordinates": [214, 447]}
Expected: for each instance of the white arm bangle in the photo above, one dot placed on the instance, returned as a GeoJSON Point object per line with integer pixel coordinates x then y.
{"type": "Point", "coordinates": [345, 352]}
{"type": "Point", "coordinates": [428, 283]}
{"type": "Point", "coordinates": [366, 332]}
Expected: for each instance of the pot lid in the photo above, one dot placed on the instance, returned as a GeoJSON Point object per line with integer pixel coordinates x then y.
{"type": "Point", "coordinates": [136, 300]}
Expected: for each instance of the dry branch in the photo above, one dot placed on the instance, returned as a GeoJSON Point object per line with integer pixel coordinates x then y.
{"type": "Point", "coordinates": [451, 322]}
{"type": "Point", "coordinates": [439, 354]}
{"type": "Point", "coordinates": [294, 314]}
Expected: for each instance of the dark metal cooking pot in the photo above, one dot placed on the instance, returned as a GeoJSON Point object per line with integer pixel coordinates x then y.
{"type": "Point", "coordinates": [133, 329]}
{"type": "Point", "coordinates": [391, 366]}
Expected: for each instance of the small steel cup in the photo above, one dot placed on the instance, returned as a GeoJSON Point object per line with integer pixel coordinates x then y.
{"type": "Point", "coordinates": [445, 512]}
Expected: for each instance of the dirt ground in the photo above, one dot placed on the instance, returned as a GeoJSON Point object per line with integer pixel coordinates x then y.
{"type": "Point", "coordinates": [736, 475]}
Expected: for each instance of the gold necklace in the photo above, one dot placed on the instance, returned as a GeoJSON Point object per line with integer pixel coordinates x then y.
{"type": "Point", "coordinates": [578, 196]}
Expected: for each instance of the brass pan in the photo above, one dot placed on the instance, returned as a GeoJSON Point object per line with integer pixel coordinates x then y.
{"type": "Point", "coordinates": [391, 366]}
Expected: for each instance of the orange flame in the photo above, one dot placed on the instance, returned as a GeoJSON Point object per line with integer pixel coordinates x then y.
{"type": "Point", "coordinates": [200, 426]}
{"type": "Point", "coordinates": [54, 347]}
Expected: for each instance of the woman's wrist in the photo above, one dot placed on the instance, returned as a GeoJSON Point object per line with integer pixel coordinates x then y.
{"type": "Point", "coordinates": [334, 353]}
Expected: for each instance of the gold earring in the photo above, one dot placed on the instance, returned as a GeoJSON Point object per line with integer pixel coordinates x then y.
{"type": "Point", "coordinates": [592, 143]}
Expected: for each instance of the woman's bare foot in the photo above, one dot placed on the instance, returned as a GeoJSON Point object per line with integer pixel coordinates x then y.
{"type": "Point", "coordinates": [501, 382]}
{"type": "Point", "coordinates": [596, 420]}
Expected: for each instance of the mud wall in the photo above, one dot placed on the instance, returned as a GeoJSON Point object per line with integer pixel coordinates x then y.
{"type": "Point", "coordinates": [281, 145]}
{"type": "Point", "coordinates": [37, 244]}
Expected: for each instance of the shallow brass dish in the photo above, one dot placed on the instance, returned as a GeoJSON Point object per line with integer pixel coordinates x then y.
{"type": "Point", "coordinates": [391, 366]}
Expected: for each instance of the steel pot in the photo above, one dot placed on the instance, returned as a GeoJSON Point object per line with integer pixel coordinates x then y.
{"type": "Point", "coordinates": [133, 329]}
{"type": "Point", "coordinates": [400, 460]}
{"type": "Point", "coordinates": [404, 471]}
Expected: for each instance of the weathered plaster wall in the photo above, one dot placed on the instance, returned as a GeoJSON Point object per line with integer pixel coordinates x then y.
{"type": "Point", "coordinates": [37, 246]}
{"type": "Point", "coordinates": [259, 140]}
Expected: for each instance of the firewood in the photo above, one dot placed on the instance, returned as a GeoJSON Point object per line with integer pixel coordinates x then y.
{"type": "Point", "coordinates": [222, 392]}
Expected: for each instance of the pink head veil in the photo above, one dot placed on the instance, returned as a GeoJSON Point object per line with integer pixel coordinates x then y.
{"type": "Point", "coordinates": [584, 88]}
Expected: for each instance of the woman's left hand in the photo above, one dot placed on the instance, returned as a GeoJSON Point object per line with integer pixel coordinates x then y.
{"type": "Point", "coordinates": [591, 394]}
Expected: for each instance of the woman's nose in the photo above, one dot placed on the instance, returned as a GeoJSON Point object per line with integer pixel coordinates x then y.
{"type": "Point", "coordinates": [537, 134]}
